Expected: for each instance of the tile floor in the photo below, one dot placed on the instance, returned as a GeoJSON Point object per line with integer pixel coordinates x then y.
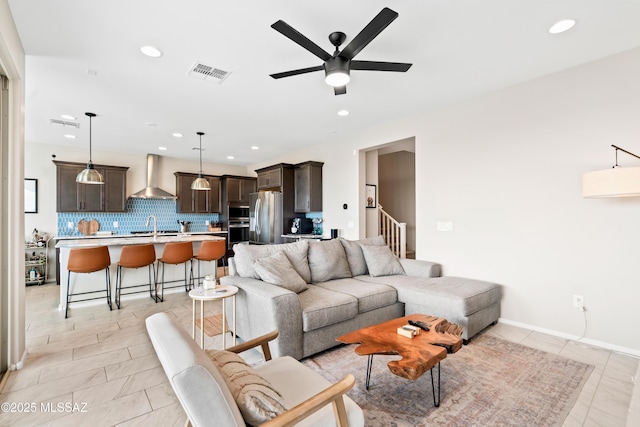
{"type": "Point", "coordinates": [98, 368]}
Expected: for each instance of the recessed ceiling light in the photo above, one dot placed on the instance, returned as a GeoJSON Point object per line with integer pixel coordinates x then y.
{"type": "Point", "coordinates": [177, 134]}
{"type": "Point", "coordinates": [162, 148]}
{"type": "Point", "coordinates": [151, 51]}
{"type": "Point", "coordinates": [562, 26]}
{"type": "Point", "coordinates": [230, 157]}
{"type": "Point", "coordinates": [67, 117]}
{"type": "Point", "coordinates": [70, 136]}
{"type": "Point", "coordinates": [343, 113]}
{"type": "Point", "coordinates": [255, 147]}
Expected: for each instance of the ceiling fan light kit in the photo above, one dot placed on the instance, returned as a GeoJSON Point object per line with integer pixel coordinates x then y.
{"type": "Point", "coordinates": [337, 72]}
{"type": "Point", "coordinates": [614, 182]}
{"type": "Point", "coordinates": [90, 175]}
{"type": "Point", "coordinates": [337, 67]}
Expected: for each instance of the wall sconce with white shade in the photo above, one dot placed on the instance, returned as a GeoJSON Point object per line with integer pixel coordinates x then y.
{"type": "Point", "coordinates": [614, 182]}
{"type": "Point", "coordinates": [200, 183]}
{"type": "Point", "coordinates": [90, 175]}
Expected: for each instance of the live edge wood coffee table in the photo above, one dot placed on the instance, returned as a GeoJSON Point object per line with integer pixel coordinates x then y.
{"type": "Point", "coordinates": [419, 354]}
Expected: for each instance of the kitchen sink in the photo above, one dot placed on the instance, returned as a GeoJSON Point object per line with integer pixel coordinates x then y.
{"type": "Point", "coordinates": [163, 232]}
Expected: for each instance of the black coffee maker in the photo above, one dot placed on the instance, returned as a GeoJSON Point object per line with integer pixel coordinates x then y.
{"type": "Point", "coordinates": [301, 226]}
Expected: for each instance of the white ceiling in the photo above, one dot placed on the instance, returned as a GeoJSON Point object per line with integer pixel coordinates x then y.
{"type": "Point", "coordinates": [459, 49]}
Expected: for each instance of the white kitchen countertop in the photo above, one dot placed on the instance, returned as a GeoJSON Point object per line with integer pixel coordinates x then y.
{"type": "Point", "coordinates": [135, 239]}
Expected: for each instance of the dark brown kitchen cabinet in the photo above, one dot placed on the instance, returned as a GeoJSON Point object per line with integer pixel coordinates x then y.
{"type": "Point", "coordinates": [115, 196]}
{"type": "Point", "coordinates": [74, 197]}
{"type": "Point", "coordinates": [197, 201]}
{"type": "Point", "coordinates": [308, 187]}
{"type": "Point", "coordinates": [237, 189]}
{"type": "Point", "coordinates": [274, 177]}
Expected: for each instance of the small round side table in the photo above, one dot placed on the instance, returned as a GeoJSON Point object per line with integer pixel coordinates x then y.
{"type": "Point", "coordinates": [218, 293]}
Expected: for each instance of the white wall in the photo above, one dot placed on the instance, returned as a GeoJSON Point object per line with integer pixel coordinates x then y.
{"type": "Point", "coordinates": [506, 169]}
{"type": "Point", "coordinates": [12, 212]}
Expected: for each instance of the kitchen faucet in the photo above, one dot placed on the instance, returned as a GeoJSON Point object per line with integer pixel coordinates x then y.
{"type": "Point", "coordinates": [155, 225]}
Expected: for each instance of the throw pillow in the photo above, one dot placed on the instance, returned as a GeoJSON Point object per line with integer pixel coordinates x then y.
{"type": "Point", "coordinates": [381, 261]}
{"type": "Point", "coordinates": [277, 270]}
{"type": "Point", "coordinates": [327, 260]}
{"type": "Point", "coordinates": [257, 400]}
{"type": "Point", "coordinates": [357, 263]}
{"type": "Point", "coordinates": [245, 255]}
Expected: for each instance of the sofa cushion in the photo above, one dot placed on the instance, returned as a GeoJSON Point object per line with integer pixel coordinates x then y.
{"type": "Point", "coordinates": [245, 256]}
{"type": "Point", "coordinates": [370, 295]}
{"type": "Point", "coordinates": [381, 261]}
{"type": "Point", "coordinates": [322, 307]}
{"type": "Point", "coordinates": [258, 401]}
{"type": "Point", "coordinates": [442, 296]}
{"type": "Point", "coordinates": [277, 270]}
{"type": "Point", "coordinates": [355, 258]}
{"type": "Point", "coordinates": [327, 261]}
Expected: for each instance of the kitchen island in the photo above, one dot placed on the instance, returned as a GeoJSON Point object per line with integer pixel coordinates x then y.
{"type": "Point", "coordinates": [95, 281]}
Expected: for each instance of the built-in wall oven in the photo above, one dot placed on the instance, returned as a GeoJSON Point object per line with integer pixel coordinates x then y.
{"type": "Point", "coordinates": [238, 224]}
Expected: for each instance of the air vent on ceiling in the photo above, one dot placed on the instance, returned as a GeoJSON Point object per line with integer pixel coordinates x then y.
{"type": "Point", "coordinates": [64, 123]}
{"type": "Point", "coordinates": [207, 72]}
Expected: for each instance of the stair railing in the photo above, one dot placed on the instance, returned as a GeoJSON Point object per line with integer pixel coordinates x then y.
{"type": "Point", "coordinates": [394, 232]}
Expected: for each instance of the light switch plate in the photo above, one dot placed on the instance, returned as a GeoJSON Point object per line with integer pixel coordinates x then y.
{"type": "Point", "coordinates": [444, 226]}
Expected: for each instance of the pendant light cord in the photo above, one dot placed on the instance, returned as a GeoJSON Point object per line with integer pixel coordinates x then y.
{"type": "Point", "coordinates": [90, 132]}
{"type": "Point", "coordinates": [200, 134]}
{"type": "Point", "coordinates": [624, 151]}
{"type": "Point", "coordinates": [91, 116]}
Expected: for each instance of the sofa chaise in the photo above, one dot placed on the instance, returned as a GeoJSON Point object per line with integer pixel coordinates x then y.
{"type": "Point", "coordinates": [315, 291]}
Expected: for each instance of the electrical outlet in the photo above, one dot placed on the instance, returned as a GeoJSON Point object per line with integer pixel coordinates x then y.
{"type": "Point", "coordinates": [69, 225]}
{"type": "Point", "coordinates": [578, 301]}
{"type": "Point", "coordinates": [206, 222]}
{"type": "Point", "coordinates": [115, 224]}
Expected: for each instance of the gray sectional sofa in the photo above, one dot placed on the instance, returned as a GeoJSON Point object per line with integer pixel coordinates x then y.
{"type": "Point", "coordinates": [313, 292]}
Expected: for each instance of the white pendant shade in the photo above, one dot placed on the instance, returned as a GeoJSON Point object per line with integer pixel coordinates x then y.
{"type": "Point", "coordinates": [614, 182]}
{"type": "Point", "coordinates": [200, 183]}
{"type": "Point", "coordinates": [89, 176]}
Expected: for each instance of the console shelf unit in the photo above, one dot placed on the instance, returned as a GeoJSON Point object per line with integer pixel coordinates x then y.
{"type": "Point", "coordinates": [35, 257]}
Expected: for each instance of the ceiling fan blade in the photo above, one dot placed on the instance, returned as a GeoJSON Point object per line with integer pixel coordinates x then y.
{"type": "Point", "coordinates": [293, 34]}
{"type": "Point", "coordinates": [340, 90]}
{"type": "Point", "coordinates": [380, 66]}
{"type": "Point", "coordinates": [296, 72]}
{"type": "Point", "coordinates": [373, 28]}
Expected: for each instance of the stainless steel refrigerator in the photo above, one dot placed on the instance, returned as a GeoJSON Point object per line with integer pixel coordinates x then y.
{"type": "Point", "coordinates": [265, 217]}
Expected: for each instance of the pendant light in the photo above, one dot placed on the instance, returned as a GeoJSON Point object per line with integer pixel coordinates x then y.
{"type": "Point", "coordinates": [90, 175]}
{"type": "Point", "coordinates": [200, 183]}
{"type": "Point", "coordinates": [614, 182]}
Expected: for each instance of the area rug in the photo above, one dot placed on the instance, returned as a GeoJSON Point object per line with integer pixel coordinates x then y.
{"type": "Point", "coordinates": [213, 325]}
{"type": "Point", "coordinates": [490, 382]}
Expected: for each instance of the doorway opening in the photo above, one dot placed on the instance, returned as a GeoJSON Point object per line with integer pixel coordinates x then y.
{"type": "Point", "coordinates": [391, 168]}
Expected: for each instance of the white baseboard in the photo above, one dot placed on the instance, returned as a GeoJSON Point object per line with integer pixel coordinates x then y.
{"type": "Point", "coordinates": [596, 343]}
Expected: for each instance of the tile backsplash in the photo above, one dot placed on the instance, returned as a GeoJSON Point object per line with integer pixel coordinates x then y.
{"type": "Point", "coordinates": [135, 218]}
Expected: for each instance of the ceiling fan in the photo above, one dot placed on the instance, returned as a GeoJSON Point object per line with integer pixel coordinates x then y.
{"type": "Point", "coordinates": [337, 67]}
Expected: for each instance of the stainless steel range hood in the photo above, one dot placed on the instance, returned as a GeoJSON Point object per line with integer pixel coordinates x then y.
{"type": "Point", "coordinates": [152, 191]}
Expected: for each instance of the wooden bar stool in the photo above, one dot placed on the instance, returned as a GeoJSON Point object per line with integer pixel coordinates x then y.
{"type": "Point", "coordinates": [88, 260]}
{"type": "Point", "coordinates": [212, 250]}
{"type": "Point", "coordinates": [137, 256]}
{"type": "Point", "coordinates": [176, 253]}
